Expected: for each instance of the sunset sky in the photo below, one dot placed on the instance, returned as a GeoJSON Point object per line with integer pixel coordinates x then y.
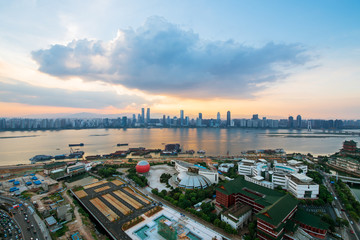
{"type": "Point", "coordinates": [274, 58]}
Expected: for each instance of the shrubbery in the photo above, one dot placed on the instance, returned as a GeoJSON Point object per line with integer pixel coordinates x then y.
{"type": "Point", "coordinates": [187, 199]}
{"type": "Point", "coordinates": [139, 180]}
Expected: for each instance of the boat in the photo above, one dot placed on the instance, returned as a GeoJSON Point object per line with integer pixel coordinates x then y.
{"type": "Point", "coordinates": [61, 156]}
{"type": "Point", "coordinates": [39, 158]}
{"type": "Point", "coordinates": [76, 145]}
{"type": "Point", "coordinates": [93, 157]}
{"type": "Point", "coordinates": [76, 154]}
{"type": "Point", "coordinates": [122, 144]}
{"type": "Point", "coordinates": [201, 152]}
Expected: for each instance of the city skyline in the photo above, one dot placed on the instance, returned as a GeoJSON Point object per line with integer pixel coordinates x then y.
{"type": "Point", "coordinates": [276, 59]}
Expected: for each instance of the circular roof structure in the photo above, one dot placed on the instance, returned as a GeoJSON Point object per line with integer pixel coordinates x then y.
{"type": "Point", "coordinates": [142, 167]}
{"type": "Point", "coordinates": [191, 180]}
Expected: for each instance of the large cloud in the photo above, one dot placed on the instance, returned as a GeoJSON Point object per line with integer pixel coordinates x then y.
{"type": "Point", "coordinates": [20, 92]}
{"type": "Point", "coordinates": [162, 58]}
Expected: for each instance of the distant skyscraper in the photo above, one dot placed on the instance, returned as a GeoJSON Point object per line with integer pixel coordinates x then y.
{"type": "Point", "coordinates": [291, 122]}
{"type": "Point", "coordinates": [124, 122]}
{"type": "Point", "coordinates": [181, 117]}
{"type": "Point", "coordinates": [148, 115]}
{"type": "Point", "coordinates": [228, 119]}
{"type": "Point", "coordinates": [200, 116]}
{"type": "Point", "coordinates": [164, 120]}
{"type": "Point", "coordinates": [298, 121]}
{"type": "Point", "coordinates": [255, 117]}
{"type": "Point", "coordinates": [142, 115]}
{"type": "Point", "coordinates": [218, 119]}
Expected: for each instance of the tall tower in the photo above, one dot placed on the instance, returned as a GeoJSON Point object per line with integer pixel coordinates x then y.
{"type": "Point", "coordinates": [291, 122]}
{"type": "Point", "coordinates": [228, 119]}
{"type": "Point", "coordinates": [298, 121]}
{"type": "Point", "coordinates": [218, 119]}
{"type": "Point", "coordinates": [142, 115]}
{"type": "Point", "coordinates": [148, 115]}
{"type": "Point", "coordinates": [182, 117]}
{"type": "Point", "coordinates": [200, 116]}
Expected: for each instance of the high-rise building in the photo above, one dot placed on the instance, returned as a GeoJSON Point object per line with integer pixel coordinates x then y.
{"type": "Point", "coordinates": [164, 120]}
{"type": "Point", "coordinates": [142, 115]}
{"type": "Point", "coordinates": [255, 117]}
{"type": "Point", "coordinates": [200, 116]}
{"type": "Point", "coordinates": [298, 121]}
{"type": "Point", "coordinates": [218, 119]}
{"type": "Point", "coordinates": [124, 122]}
{"type": "Point", "coordinates": [181, 117]}
{"type": "Point", "coordinates": [291, 122]}
{"type": "Point", "coordinates": [228, 119]}
{"type": "Point", "coordinates": [148, 115]}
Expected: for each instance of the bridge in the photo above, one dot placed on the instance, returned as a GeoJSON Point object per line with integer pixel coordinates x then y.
{"type": "Point", "coordinates": [345, 178]}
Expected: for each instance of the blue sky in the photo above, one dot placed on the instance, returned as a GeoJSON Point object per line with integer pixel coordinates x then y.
{"type": "Point", "coordinates": [275, 58]}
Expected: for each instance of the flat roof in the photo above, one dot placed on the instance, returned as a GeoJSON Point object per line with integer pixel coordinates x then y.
{"type": "Point", "coordinates": [50, 220]}
{"type": "Point", "coordinates": [301, 179]}
{"type": "Point", "coordinates": [238, 210]}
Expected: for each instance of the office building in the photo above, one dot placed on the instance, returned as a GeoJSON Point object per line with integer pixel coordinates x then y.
{"type": "Point", "coordinates": [148, 115]}
{"type": "Point", "coordinates": [142, 115]}
{"type": "Point", "coordinates": [298, 121]}
{"type": "Point", "coordinates": [291, 122]}
{"type": "Point", "coordinates": [228, 119]}
{"type": "Point", "coordinates": [181, 117]}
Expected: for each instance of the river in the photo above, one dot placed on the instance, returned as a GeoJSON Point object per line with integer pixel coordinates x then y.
{"type": "Point", "coordinates": [16, 147]}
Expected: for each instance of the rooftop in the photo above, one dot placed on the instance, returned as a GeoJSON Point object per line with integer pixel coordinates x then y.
{"type": "Point", "coordinates": [187, 165]}
{"type": "Point", "coordinates": [309, 219]}
{"type": "Point", "coordinates": [237, 210]}
{"type": "Point", "coordinates": [276, 213]}
{"type": "Point", "coordinates": [301, 179]}
{"type": "Point", "coordinates": [261, 195]}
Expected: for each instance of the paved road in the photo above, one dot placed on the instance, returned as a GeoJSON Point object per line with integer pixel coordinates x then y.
{"type": "Point", "coordinates": [353, 227]}
{"type": "Point", "coordinates": [25, 218]}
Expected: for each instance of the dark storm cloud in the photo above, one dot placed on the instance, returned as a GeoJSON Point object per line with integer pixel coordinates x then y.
{"type": "Point", "coordinates": [19, 92]}
{"type": "Point", "coordinates": [162, 58]}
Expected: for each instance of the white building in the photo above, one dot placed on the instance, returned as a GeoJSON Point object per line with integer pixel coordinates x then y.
{"type": "Point", "coordinates": [302, 186]}
{"type": "Point", "coordinates": [213, 176]}
{"type": "Point", "coordinates": [245, 167]}
{"type": "Point", "coordinates": [237, 216]}
{"type": "Point", "coordinates": [77, 168]}
{"type": "Point", "coordinates": [224, 167]}
{"type": "Point", "coordinates": [279, 179]}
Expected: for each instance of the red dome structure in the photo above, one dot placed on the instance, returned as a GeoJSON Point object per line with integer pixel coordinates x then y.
{"type": "Point", "coordinates": [142, 167]}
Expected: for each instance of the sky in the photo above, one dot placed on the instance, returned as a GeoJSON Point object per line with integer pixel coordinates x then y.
{"type": "Point", "coordinates": [272, 58]}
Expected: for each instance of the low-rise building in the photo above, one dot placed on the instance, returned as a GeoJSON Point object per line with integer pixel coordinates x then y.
{"type": "Point", "coordinates": [77, 168]}
{"type": "Point", "coordinates": [277, 213]}
{"type": "Point", "coordinates": [237, 216]}
{"type": "Point", "coordinates": [302, 186]}
{"type": "Point", "coordinates": [48, 168]}
{"type": "Point", "coordinates": [245, 167]}
{"type": "Point", "coordinates": [224, 167]}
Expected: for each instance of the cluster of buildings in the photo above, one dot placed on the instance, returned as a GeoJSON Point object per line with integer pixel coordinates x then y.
{"type": "Point", "coordinates": [277, 213]}
{"type": "Point", "coordinates": [145, 120]}
{"type": "Point", "coordinates": [60, 170]}
{"type": "Point", "coordinates": [290, 176]}
{"type": "Point", "coordinates": [347, 158]}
